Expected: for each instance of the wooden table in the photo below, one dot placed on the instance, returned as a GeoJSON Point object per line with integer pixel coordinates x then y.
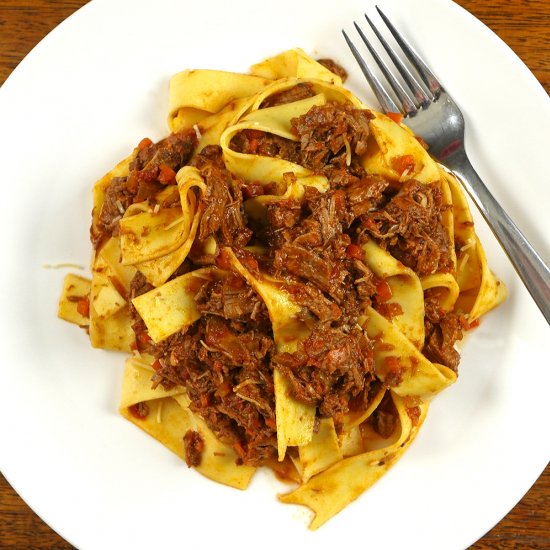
{"type": "Point", "coordinates": [523, 24]}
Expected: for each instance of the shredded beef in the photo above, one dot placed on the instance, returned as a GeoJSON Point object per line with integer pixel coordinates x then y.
{"type": "Point", "coordinates": [330, 133]}
{"type": "Point", "coordinates": [305, 263]}
{"type": "Point", "coordinates": [193, 443]}
{"type": "Point", "coordinates": [173, 151]}
{"type": "Point", "coordinates": [443, 330]}
{"type": "Point", "coordinates": [232, 299]}
{"type": "Point", "coordinates": [310, 297]}
{"type": "Point", "coordinates": [142, 183]}
{"type": "Point", "coordinates": [256, 142]}
{"type": "Point", "coordinates": [328, 136]}
{"type": "Point", "coordinates": [226, 370]}
{"type": "Point", "coordinates": [384, 418]}
{"type": "Point", "coordinates": [221, 205]}
{"type": "Point", "coordinates": [329, 369]}
{"type": "Point", "coordinates": [365, 194]}
{"type": "Point", "coordinates": [334, 67]}
{"type": "Point", "coordinates": [409, 225]}
{"type": "Point", "coordinates": [303, 90]}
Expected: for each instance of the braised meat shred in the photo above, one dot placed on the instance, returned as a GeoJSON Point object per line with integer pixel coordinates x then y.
{"type": "Point", "coordinates": [409, 226]}
{"type": "Point", "coordinates": [225, 360]}
{"type": "Point", "coordinates": [150, 171]}
{"type": "Point", "coordinates": [221, 205]}
{"type": "Point", "coordinates": [443, 330]}
{"type": "Point", "coordinates": [194, 446]}
{"type": "Point", "coordinates": [334, 67]}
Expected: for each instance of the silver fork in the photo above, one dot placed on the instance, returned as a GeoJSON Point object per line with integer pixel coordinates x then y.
{"type": "Point", "coordinates": [431, 113]}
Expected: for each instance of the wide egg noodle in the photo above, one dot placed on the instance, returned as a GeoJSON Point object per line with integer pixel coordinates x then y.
{"type": "Point", "coordinates": [110, 322]}
{"type": "Point", "coordinates": [147, 234]}
{"type": "Point", "coordinates": [294, 63]}
{"type": "Point", "coordinates": [136, 383]}
{"type": "Point", "coordinates": [171, 307]}
{"type": "Point", "coordinates": [219, 461]}
{"type": "Point", "coordinates": [212, 127]}
{"type": "Point", "coordinates": [321, 452]}
{"type": "Point", "coordinates": [415, 375]}
{"type": "Point", "coordinates": [480, 290]}
{"type": "Point", "coordinates": [295, 420]}
{"type": "Point", "coordinates": [120, 273]}
{"type": "Point", "coordinates": [329, 492]}
{"type": "Point", "coordinates": [353, 419]}
{"type": "Point", "coordinates": [104, 296]}
{"type": "Point", "coordinates": [447, 285]}
{"type": "Point", "coordinates": [406, 291]}
{"type": "Point", "coordinates": [391, 141]}
{"type": "Point", "coordinates": [74, 289]}
{"type": "Point", "coordinates": [158, 270]}
{"type": "Point", "coordinates": [277, 119]}
{"type": "Point", "coordinates": [168, 420]}
{"type": "Point", "coordinates": [196, 94]}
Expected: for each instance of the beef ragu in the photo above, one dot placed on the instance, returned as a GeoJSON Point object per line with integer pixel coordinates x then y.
{"type": "Point", "coordinates": [289, 271]}
{"type": "Point", "coordinates": [226, 359]}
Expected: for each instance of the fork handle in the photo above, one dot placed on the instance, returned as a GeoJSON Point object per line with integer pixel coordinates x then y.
{"type": "Point", "coordinates": [532, 270]}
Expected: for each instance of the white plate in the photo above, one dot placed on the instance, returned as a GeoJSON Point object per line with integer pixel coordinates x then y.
{"type": "Point", "coordinates": [75, 106]}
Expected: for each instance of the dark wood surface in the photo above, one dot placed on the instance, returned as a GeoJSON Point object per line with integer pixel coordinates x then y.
{"type": "Point", "coordinates": [523, 24]}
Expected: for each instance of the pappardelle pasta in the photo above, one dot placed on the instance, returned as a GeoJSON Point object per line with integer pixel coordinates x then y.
{"type": "Point", "coordinates": [289, 272]}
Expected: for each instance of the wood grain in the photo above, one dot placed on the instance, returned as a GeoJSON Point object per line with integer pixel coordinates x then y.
{"type": "Point", "coordinates": [523, 24]}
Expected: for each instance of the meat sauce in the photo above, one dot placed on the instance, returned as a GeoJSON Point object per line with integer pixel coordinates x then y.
{"type": "Point", "coordinates": [225, 360]}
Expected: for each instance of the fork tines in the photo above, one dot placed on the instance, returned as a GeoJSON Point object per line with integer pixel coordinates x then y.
{"type": "Point", "coordinates": [416, 97]}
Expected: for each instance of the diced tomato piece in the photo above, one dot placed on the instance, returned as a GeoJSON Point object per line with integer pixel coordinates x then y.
{"type": "Point", "coordinates": [403, 163]}
{"type": "Point", "coordinates": [354, 251]}
{"type": "Point", "coordinates": [166, 174]}
{"type": "Point", "coordinates": [156, 364]}
{"type": "Point", "coordinates": [383, 291]}
{"type": "Point", "coordinates": [392, 362]}
{"type": "Point", "coordinates": [396, 117]}
{"type": "Point", "coordinates": [250, 262]}
{"type": "Point", "coordinates": [224, 388]}
{"type": "Point", "coordinates": [473, 324]}
{"type": "Point", "coordinates": [83, 306]}
{"type": "Point", "coordinates": [144, 143]}
{"type": "Point", "coordinates": [222, 260]}
{"type": "Point", "coordinates": [369, 223]}
{"type": "Point", "coordinates": [235, 281]}
{"type": "Point", "coordinates": [204, 400]}
{"type": "Point", "coordinates": [143, 338]}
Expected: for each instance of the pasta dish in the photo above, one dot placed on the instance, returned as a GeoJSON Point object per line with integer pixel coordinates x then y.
{"type": "Point", "coordinates": [288, 272]}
